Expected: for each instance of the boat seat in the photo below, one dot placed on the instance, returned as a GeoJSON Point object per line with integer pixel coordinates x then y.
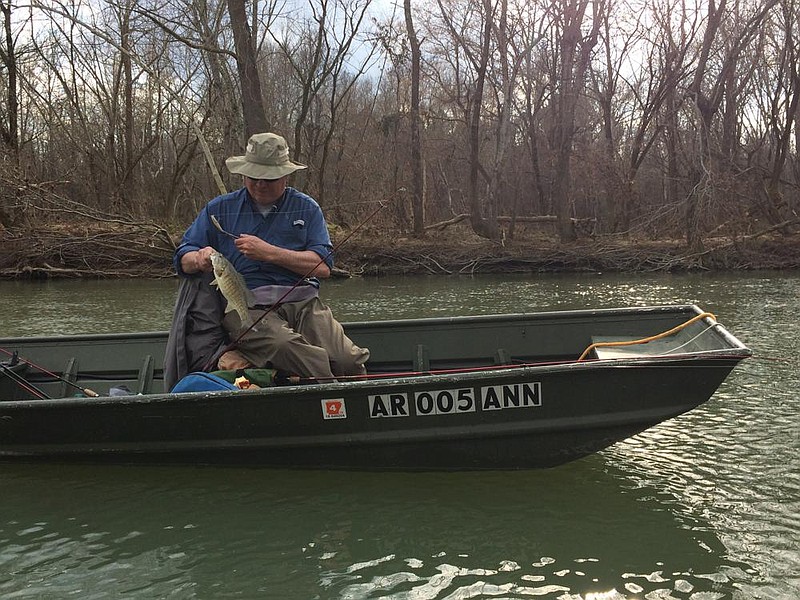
{"type": "Point", "coordinates": [422, 358]}
{"type": "Point", "coordinates": [145, 381]}
{"type": "Point", "coordinates": [70, 374]}
{"type": "Point", "coordinates": [652, 348]}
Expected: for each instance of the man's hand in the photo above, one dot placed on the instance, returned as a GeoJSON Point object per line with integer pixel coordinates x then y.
{"type": "Point", "coordinates": [255, 248]}
{"type": "Point", "coordinates": [197, 261]}
{"type": "Point", "coordinates": [302, 262]}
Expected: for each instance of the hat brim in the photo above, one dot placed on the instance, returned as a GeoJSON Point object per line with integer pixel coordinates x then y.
{"type": "Point", "coordinates": [238, 164]}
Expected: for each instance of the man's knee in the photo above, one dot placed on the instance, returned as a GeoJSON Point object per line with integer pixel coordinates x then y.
{"type": "Point", "coordinates": [351, 363]}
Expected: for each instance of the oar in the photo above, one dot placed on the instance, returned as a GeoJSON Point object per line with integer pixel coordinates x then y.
{"type": "Point", "coordinates": [16, 357]}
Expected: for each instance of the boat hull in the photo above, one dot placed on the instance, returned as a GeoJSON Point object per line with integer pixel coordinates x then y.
{"type": "Point", "coordinates": [448, 408]}
{"type": "Point", "coordinates": [406, 424]}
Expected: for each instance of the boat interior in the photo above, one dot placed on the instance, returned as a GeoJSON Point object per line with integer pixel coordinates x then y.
{"type": "Point", "coordinates": [63, 366]}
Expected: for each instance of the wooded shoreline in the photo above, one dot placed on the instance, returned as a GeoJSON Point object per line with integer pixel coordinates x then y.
{"type": "Point", "coordinates": [147, 253]}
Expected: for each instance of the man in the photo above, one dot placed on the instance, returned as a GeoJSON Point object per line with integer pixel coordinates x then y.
{"type": "Point", "coordinates": [276, 236]}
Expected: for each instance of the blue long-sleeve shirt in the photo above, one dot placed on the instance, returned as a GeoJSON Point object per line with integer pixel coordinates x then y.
{"type": "Point", "coordinates": [295, 222]}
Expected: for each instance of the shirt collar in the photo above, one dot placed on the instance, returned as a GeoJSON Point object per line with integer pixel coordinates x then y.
{"type": "Point", "coordinates": [275, 207]}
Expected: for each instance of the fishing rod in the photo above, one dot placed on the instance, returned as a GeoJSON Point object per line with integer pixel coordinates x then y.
{"type": "Point", "coordinates": [295, 380]}
{"type": "Point", "coordinates": [16, 357]}
{"type": "Point", "coordinates": [23, 383]}
{"type": "Point", "coordinates": [381, 205]}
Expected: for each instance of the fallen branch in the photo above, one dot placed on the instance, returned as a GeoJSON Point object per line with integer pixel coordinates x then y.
{"type": "Point", "coordinates": [441, 225]}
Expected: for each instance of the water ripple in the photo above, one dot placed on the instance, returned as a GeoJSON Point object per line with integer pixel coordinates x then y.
{"type": "Point", "coordinates": [702, 507]}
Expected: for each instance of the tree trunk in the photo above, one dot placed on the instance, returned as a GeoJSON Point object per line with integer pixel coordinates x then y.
{"type": "Point", "coordinates": [417, 198]}
{"type": "Point", "coordinates": [575, 54]}
{"type": "Point", "coordinates": [127, 93]}
{"type": "Point", "coordinates": [8, 54]}
{"type": "Point", "coordinates": [483, 227]}
{"type": "Point", "coordinates": [255, 117]}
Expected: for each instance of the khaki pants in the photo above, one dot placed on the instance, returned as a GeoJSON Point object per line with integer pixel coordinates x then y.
{"type": "Point", "coordinates": [301, 338]}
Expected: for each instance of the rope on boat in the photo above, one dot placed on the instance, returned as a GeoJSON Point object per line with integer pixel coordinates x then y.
{"type": "Point", "coordinates": [647, 339]}
{"type": "Point", "coordinates": [460, 370]}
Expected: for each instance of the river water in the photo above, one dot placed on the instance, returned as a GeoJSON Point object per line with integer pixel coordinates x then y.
{"type": "Point", "coordinates": [703, 507]}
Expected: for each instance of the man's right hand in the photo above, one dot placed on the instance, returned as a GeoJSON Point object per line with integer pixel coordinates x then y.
{"type": "Point", "coordinates": [197, 261]}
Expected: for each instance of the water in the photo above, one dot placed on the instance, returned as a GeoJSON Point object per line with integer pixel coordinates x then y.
{"type": "Point", "coordinates": [702, 507]}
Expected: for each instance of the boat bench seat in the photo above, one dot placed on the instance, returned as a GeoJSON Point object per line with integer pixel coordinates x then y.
{"type": "Point", "coordinates": [422, 358]}
{"type": "Point", "coordinates": [653, 348]}
{"type": "Point", "coordinates": [70, 374]}
{"type": "Point", "coordinates": [144, 377]}
{"type": "Point", "coordinates": [144, 382]}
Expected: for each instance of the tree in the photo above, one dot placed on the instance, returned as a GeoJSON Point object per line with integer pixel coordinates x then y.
{"type": "Point", "coordinates": [574, 54]}
{"type": "Point", "coordinates": [316, 50]}
{"type": "Point", "coordinates": [255, 117]}
{"type": "Point", "coordinates": [417, 187]}
{"type": "Point", "coordinates": [477, 53]}
{"type": "Point", "coordinates": [9, 127]}
{"type": "Point", "coordinates": [783, 111]}
{"type": "Point", "coordinates": [707, 90]}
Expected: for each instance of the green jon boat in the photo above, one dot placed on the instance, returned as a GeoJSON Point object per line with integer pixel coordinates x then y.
{"type": "Point", "coordinates": [485, 392]}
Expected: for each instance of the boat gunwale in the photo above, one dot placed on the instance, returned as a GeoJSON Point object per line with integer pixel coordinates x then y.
{"type": "Point", "coordinates": [394, 323]}
{"type": "Point", "coordinates": [466, 377]}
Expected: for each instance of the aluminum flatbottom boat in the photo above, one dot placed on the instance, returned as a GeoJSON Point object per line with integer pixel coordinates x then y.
{"type": "Point", "coordinates": [464, 393]}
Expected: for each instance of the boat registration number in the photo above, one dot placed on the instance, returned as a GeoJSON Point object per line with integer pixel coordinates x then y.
{"type": "Point", "coordinates": [455, 401]}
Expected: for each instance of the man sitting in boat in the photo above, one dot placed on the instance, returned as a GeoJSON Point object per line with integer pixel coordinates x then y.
{"type": "Point", "coordinates": [276, 238]}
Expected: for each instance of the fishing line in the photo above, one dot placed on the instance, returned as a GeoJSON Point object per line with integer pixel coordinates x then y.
{"type": "Point", "coordinates": [381, 205]}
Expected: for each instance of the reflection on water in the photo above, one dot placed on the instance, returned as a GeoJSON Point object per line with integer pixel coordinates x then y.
{"type": "Point", "coordinates": [702, 507]}
{"type": "Point", "coordinates": [60, 307]}
{"type": "Point", "coordinates": [348, 535]}
{"type": "Point", "coordinates": [64, 307]}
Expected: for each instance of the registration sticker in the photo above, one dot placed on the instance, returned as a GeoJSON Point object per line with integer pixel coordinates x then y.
{"type": "Point", "coordinates": [334, 409]}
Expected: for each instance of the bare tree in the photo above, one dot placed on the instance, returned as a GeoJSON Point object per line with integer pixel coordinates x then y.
{"type": "Point", "coordinates": [417, 188]}
{"type": "Point", "coordinates": [477, 53]}
{"type": "Point", "coordinates": [536, 88]}
{"type": "Point", "coordinates": [707, 90]}
{"type": "Point", "coordinates": [695, 114]}
{"type": "Point", "coordinates": [255, 117]}
{"type": "Point", "coordinates": [9, 128]}
{"type": "Point", "coordinates": [783, 109]}
{"type": "Point", "coordinates": [575, 50]}
{"type": "Point", "coordinates": [316, 49]}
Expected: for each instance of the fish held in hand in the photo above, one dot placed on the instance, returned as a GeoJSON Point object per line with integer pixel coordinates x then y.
{"type": "Point", "coordinates": [233, 288]}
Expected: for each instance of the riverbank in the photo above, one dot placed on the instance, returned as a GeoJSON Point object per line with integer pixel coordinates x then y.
{"type": "Point", "coordinates": [128, 251]}
{"type": "Point", "coordinates": [471, 256]}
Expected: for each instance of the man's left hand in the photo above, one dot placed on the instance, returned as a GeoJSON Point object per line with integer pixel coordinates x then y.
{"type": "Point", "coordinates": [254, 247]}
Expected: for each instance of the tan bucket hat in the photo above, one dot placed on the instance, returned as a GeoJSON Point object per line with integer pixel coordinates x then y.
{"type": "Point", "coordinates": [266, 157]}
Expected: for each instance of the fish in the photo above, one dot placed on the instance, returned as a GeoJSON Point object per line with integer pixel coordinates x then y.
{"type": "Point", "coordinates": [231, 283]}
